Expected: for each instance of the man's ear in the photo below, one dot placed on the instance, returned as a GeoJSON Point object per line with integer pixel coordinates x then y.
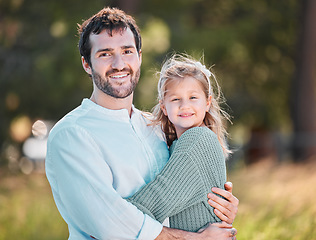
{"type": "Point", "coordinates": [140, 55]}
{"type": "Point", "coordinates": [86, 66]}
{"type": "Point", "coordinates": [163, 108]}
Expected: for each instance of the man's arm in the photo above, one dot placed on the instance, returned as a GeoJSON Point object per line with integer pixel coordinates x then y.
{"type": "Point", "coordinates": [225, 208]}
{"type": "Point", "coordinates": [215, 231]}
{"type": "Point", "coordinates": [82, 184]}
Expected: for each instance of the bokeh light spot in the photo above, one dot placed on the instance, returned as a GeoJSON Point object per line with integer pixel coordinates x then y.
{"type": "Point", "coordinates": [39, 129]}
{"type": "Point", "coordinates": [20, 128]}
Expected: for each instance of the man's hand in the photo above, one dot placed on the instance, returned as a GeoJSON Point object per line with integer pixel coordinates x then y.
{"type": "Point", "coordinates": [215, 231]}
{"type": "Point", "coordinates": [226, 209]}
{"type": "Point", "coordinates": [220, 230]}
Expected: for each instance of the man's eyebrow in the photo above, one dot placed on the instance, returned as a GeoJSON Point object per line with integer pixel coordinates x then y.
{"type": "Point", "coordinates": [105, 50]}
{"type": "Point", "coordinates": [128, 46]}
{"type": "Point", "coordinates": [111, 49]}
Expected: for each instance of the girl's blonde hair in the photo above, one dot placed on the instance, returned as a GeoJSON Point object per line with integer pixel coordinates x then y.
{"type": "Point", "coordinates": [180, 66]}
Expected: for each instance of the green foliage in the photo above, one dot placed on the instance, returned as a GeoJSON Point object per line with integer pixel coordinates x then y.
{"type": "Point", "coordinates": [251, 44]}
{"type": "Point", "coordinates": [40, 59]}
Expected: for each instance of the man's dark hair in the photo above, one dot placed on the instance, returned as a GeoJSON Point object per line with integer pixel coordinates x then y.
{"type": "Point", "coordinates": [110, 19]}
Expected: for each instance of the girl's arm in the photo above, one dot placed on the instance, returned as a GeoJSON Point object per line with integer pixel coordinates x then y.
{"type": "Point", "coordinates": [181, 183]}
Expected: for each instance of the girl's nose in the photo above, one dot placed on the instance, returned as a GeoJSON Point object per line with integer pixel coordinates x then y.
{"type": "Point", "coordinates": [184, 104]}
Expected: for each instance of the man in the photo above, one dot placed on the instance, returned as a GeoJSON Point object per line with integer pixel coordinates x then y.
{"type": "Point", "coordinates": [104, 151]}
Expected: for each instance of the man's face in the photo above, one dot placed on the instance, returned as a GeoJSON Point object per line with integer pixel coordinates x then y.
{"type": "Point", "coordinates": [115, 63]}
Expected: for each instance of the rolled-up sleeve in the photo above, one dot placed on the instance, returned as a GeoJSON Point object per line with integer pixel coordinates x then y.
{"type": "Point", "coordinates": [82, 185]}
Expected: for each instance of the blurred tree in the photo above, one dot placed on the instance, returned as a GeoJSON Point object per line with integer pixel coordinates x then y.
{"type": "Point", "coordinates": [39, 61]}
{"type": "Point", "coordinates": [303, 97]}
{"type": "Point", "coordinates": [251, 43]}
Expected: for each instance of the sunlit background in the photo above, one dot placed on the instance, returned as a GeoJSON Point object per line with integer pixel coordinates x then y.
{"type": "Point", "coordinates": [263, 53]}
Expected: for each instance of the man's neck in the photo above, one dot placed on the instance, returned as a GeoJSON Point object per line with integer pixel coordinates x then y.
{"type": "Point", "coordinates": [112, 103]}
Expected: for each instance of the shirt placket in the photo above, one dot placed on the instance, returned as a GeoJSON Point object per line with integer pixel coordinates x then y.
{"type": "Point", "coordinates": [151, 160]}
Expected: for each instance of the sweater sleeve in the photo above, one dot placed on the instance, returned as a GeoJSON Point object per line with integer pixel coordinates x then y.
{"type": "Point", "coordinates": [180, 184]}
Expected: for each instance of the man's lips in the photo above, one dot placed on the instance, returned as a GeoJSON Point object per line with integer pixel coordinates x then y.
{"type": "Point", "coordinates": [119, 76]}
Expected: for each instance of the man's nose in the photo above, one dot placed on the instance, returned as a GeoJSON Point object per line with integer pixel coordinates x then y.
{"type": "Point", "coordinates": [118, 62]}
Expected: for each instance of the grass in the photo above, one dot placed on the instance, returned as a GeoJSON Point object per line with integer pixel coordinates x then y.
{"type": "Point", "coordinates": [27, 210]}
{"type": "Point", "coordinates": [276, 203]}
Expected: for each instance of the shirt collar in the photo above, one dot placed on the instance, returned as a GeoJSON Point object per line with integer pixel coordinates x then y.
{"type": "Point", "coordinates": [121, 113]}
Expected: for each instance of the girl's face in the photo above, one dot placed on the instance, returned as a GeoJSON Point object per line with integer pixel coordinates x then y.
{"type": "Point", "coordinates": [185, 103]}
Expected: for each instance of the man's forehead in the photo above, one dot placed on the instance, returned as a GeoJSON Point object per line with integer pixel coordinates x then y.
{"type": "Point", "coordinates": [116, 36]}
{"type": "Point", "coordinates": [111, 32]}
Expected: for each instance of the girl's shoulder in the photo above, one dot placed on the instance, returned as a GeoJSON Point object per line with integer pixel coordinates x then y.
{"type": "Point", "coordinates": [196, 137]}
{"type": "Point", "coordinates": [198, 133]}
{"type": "Point", "coordinates": [199, 143]}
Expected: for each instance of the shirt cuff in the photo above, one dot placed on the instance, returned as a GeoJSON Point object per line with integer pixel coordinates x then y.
{"type": "Point", "coordinates": [150, 229]}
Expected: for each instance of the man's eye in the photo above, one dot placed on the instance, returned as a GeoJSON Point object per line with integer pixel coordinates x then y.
{"type": "Point", "coordinates": [104, 54]}
{"type": "Point", "coordinates": [128, 52]}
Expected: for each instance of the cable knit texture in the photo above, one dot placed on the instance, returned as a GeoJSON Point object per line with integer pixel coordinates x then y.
{"type": "Point", "coordinates": [180, 191]}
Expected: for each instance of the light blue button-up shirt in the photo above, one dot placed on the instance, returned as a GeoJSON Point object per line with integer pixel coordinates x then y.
{"type": "Point", "coordinates": [95, 158]}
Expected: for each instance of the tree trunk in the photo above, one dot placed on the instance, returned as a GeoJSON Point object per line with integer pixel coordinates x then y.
{"type": "Point", "coordinates": [303, 92]}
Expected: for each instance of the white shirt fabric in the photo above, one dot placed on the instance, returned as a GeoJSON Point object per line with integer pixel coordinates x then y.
{"type": "Point", "coordinates": [95, 158]}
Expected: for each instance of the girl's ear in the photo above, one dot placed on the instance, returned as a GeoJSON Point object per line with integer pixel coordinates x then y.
{"type": "Point", "coordinates": [208, 103]}
{"type": "Point", "coordinates": [163, 108]}
{"type": "Point", "coordinates": [86, 66]}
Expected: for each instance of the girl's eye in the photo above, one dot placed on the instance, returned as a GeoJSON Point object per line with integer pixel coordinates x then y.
{"type": "Point", "coordinates": [174, 99]}
{"type": "Point", "coordinates": [193, 97]}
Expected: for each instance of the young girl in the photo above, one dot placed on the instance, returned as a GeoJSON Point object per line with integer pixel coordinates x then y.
{"type": "Point", "coordinates": [192, 121]}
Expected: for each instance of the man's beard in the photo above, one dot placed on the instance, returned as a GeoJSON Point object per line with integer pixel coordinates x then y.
{"type": "Point", "coordinates": [104, 83]}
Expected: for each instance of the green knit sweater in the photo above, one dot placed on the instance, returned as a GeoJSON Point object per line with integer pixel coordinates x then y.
{"type": "Point", "coordinates": [180, 191]}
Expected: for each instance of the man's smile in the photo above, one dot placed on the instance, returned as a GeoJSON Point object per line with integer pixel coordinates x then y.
{"type": "Point", "coordinates": [119, 76]}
